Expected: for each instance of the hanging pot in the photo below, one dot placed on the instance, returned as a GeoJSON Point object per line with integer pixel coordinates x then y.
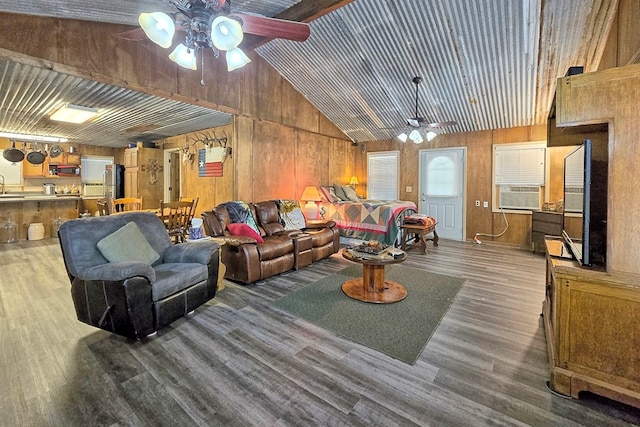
{"type": "Point", "coordinates": [56, 150]}
{"type": "Point", "coordinates": [13, 154]}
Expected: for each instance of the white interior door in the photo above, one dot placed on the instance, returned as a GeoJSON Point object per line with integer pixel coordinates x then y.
{"type": "Point", "coordinates": [442, 180]}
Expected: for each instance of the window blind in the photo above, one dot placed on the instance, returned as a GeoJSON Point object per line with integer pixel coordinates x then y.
{"type": "Point", "coordinates": [519, 166]}
{"type": "Point", "coordinates": [382, 175]}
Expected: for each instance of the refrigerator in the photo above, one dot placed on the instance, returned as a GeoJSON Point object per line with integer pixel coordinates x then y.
{"type": "Point", "coordinates": [113, 181]}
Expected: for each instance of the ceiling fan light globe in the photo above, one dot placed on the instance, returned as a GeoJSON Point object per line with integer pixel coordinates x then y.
{"type": "Point", "coordinates": [226, 33]}
{"type": "Point", "coordinates": [415, 137]}
{"type": "Point", "coordinates": [236, 58]}
{"type": "Point", "coordinates": [184, 57]}
{"type": "Point", "coordinates": [402, 137]}
{"type": "Point", "coordinates": [158, 27]}
{"type": "Point", "coordinates": [431, 135]}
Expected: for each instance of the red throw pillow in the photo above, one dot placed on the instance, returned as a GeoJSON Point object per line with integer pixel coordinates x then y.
{"type": "Point", "coordinates": [240, 229]}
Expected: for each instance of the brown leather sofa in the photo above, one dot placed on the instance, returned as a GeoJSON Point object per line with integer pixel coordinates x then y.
{"type": "Point", "coordinates": [248, 261]}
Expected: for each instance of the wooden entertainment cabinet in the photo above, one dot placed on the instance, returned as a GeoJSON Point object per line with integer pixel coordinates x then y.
{"type": "Point", "coordinates": [592, 327]}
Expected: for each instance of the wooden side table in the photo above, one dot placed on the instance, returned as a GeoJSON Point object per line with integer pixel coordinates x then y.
{"type": "Point", "coordinates": [420, 234]}
{"type": "Point", "coordinates": [372, 286]}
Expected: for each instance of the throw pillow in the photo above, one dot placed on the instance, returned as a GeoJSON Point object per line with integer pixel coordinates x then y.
{"type": "Point", "coordinates": [127, 244]}
{"type": "Point", "coordinates": [350, 192]}
{"type": "Point", "coordinates": [330, 194]}
{"type": "Point", "coordinates": [340, 192]}
{"type": "Point", "coordinates": [240, 229]}
{"type": "Point", "coordinates": [291, 215]}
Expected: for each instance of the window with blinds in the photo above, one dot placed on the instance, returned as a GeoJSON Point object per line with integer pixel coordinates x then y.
{"type": "Point", "coordinates": [382, 175]}
{"type": "Point", "coordinates": [519, 175]}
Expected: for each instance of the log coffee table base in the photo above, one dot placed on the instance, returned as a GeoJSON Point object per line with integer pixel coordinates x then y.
{"type": "Point", "coordinates": [372, 287]}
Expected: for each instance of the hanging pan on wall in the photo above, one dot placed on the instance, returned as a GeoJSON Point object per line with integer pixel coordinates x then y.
{"type": "Point", "coordinates": [13, 154]}
{"type": "Point", "coordinates": [36, 157]}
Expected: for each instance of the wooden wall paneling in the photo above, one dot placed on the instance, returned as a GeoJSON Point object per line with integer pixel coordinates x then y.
{"type": "Point", "coordinates": [150, 182]}
{"type": "Point", "coordinates": [617, 91]}
{"type": "Point", "coordinates": [243, 159]}
{"type": "Point", "coordinates": [297, 111]}
{"type": "Point", "coordinates": [261, 94]}
{"type": "Point", "coordinates": [313, 161]}
{"type": "Point", "coordinates": [555, 186]}
{"type": "Point", "coordinates": [31, 35]}
{"type": "Point", "coordinates": [274, 167]}
{"type": "Point", "coordinates": [340, 161]}
{"type": "Point", "coordinates": [326, 127]}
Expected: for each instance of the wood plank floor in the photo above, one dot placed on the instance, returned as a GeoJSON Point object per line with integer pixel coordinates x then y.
{"type": "Point", "coordinates": [239, 361]}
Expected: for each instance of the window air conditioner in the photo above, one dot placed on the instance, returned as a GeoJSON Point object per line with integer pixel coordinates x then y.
{"type": "Point", "coordinates": [573, 199]}
{"type": "Point", "coordinates": [519, 197]}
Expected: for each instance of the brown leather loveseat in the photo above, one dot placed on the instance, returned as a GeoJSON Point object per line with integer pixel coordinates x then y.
{"type": "Point", "coordinates": [247, 260]}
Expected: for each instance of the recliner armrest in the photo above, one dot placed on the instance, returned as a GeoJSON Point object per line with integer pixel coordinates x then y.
{"type": "Point", "coordinates": [115, 271]}
{"type": "Point", "coordinates": [324, 224]}
{"type": "Point", "coordinates": [239, 240]}
{"type": "Point", "coordinates": [197, 251]}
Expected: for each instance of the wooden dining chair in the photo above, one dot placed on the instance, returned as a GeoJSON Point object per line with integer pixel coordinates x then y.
{"type": "Point", "coordinates": [103, 207]}
{"type": "Point", "coordinates": [194, 203]}
{"type": "Point", "coordinates": [125, 204]}
{"type": "Point", "coordinates": [176, 218]}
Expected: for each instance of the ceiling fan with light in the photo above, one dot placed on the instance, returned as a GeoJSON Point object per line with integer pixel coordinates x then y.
{"type": "Point", "coordinates": [416, 122]}
{"type": "Point", "coordinates": [211, 24]}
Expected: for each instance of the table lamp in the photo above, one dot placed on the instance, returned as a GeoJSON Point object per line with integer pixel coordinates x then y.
{"type": "Point", "coordinates": [311, 196]}
{"type": "Point", "coordinates": [353, 180]}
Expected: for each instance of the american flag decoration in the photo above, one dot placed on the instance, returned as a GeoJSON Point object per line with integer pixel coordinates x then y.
{"type": "Point", "coordinates": [210, 161]}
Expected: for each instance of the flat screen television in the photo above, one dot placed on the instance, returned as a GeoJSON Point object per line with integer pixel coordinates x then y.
{"type": "Point", "coordinates": [584, 227]}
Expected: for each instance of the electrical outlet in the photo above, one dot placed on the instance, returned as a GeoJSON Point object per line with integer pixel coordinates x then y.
{"type": "Point", "coordinates": [477, 203]}
{"type": "Point", "coordinates": [409, 189]}
{"type": "Point", "coordinates": [485, 204]}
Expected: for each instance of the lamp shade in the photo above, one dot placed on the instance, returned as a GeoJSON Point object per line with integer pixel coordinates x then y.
{"type": "Point", "coordinates": [184, 57]}
{"type": "Point", "coordinates": [226, 33]}
{"type": "Point", "coordinates": [354, 180]}
{"type": "Point", "coordinates": [159, 27]}
{"type": "Point", "coordinates": [402, 137]}
{"type": "Point", "coordinates": [236, 58]}
{"type": "Point", "coordinates": [431, 135]}
{"type": "Point", "coordinates": [311, 194]}
{"type": "Point", "coordinates": [416, 137]}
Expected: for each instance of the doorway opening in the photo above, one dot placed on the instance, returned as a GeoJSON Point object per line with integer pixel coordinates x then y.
{"type": "Point", "coordinates": [172, 175]}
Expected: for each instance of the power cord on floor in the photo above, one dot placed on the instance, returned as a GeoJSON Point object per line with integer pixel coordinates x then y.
{"type": "Point", "coordinates": [475, 238]}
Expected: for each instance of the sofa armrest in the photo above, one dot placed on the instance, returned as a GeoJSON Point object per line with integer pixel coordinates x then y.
{"type": "Point", "coordinates": [237, 241]}
{"type": "Point", "coordinates": [320, 224]}
{"type": "Point", "coordinates": [116, 271]}
{"type": "Point", "coordinates": [197, 251]}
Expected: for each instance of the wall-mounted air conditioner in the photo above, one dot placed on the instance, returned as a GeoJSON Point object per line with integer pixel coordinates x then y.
{"type": "Point", "coordinates": [519, 197]}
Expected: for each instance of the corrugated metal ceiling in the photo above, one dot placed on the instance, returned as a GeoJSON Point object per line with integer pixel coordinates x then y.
{"type": "Point", "coordinates": [486, 64]}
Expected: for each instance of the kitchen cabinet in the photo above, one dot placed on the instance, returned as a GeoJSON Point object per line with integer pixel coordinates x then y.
{"type": "Point", "coordinates": [30, 170]}
{"type": "Point", "coordinates": [143, 175]}
{"type": "Point", "coordinates": [591, 320]}
{"type": "Point", "coordinates": [71, 159]}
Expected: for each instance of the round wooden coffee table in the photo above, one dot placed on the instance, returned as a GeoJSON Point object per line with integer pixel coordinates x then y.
{"type": "Point", "coordinates": [372, 286]}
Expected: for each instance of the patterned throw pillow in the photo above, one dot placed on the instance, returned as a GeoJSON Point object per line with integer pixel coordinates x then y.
{"type": "Point", "coordinates": [291, 216]}
{"type": "Point", "coordinates": [240, 212]}
{"type": "Point", "coordinates": [330, 194]}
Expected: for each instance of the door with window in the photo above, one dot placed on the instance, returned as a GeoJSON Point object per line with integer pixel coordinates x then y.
{"type": "Point", "coordinates": [442, 189]}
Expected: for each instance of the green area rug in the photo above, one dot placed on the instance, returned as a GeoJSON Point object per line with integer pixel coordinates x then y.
{"type": "Point", "coordinates": [400, 330]}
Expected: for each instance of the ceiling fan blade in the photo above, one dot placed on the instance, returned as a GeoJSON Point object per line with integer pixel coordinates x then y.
{"type": "Point", "coordinates": [273, 27]}
{"type": "Point", "coordinates": [440, 124]}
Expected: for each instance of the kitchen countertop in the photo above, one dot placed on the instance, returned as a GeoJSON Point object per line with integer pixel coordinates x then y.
{"type": "Point", "coordinates": [13, 198]}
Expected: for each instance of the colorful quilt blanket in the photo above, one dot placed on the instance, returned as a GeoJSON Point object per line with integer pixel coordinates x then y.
{"type": "Point", "coordinates": [240, 212]}
{"type": "Point", "coordinates": [368, 219]}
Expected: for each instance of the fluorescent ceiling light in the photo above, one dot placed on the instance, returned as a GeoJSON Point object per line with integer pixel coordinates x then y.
{"type": "Point", "coordinates": [24, 137]}
{"type": "Point", "coordinates": [70, 113]}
